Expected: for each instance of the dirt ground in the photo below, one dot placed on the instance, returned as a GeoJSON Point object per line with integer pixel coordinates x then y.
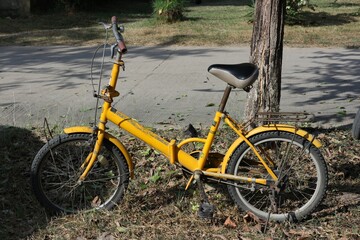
{"type": "Point", "coordinates": [157, 206]}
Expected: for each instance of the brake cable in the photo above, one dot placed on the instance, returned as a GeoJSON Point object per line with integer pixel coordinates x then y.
{"type": "Point", "coordinates": [96, 93]}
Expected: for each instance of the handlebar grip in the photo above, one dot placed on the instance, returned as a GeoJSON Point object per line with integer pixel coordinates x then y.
{"type": "Point", "coordinates": [119, 38]}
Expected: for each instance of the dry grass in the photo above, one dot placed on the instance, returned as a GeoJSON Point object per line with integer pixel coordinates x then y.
{"type": "Point", "coordinates": [213, 23]}
{"type": "Point", "coordinates": [160, 208]}
{"type": "Point", "coordinates": [333, 23]}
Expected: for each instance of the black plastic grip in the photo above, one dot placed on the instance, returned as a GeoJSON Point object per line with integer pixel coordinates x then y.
{"type": "Point", "coordinates": [119, 38]}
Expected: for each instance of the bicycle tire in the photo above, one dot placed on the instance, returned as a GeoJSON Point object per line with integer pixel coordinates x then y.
{"type": "Point", "coordinates": [356, 126]}
{"type": "Point", "coordinates": [300, 159]}
{"type": "Point", "coordinates": [56, 169]}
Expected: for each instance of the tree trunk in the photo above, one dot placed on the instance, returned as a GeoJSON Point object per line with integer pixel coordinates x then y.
{"type": "Point", "coordinates": [266, 53]}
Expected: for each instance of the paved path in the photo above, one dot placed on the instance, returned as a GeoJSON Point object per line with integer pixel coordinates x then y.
{"type": "Point", "coordinates": [169, 86]}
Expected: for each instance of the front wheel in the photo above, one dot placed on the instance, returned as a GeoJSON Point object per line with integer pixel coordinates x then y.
{"type": "Point", "coordinates": [301, 170]}
{"type": "Point", "coordinates": [356, 126]}
{"type": "Point", "coordinates": [56, 169]}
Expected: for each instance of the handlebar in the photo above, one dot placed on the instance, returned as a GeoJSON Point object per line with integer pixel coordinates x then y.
{"type": "Point", "coordinates": [119, 38]}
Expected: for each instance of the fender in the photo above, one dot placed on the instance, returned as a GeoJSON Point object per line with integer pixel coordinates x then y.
{"type": "Point", "coordinates": [267, 128]}
{"type": "Point", "coordinates": [111, 138]}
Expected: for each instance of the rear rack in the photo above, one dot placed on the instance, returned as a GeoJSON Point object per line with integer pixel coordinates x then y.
{"type": "Point", "coordinates": [285, 117]}
{"type": "Point", "coordinates": [265, 118]}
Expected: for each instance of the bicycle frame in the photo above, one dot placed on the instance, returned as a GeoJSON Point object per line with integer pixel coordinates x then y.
{"type": "Point", "coordinates": [171, 149]}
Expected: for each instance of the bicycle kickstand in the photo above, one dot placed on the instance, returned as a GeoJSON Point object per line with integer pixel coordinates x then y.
{"type": "Point", "coordinates": [206, 210]}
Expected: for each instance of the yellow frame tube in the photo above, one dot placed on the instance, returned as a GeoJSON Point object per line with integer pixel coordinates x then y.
{"type": "Point", "coordinates": [155, 141]}
{"type": "Point", "coordinates": [209, 140]}
{"type": "Point", "coordinates": [266, 128]}
{"type": "Point", "coordinates": [268, 169]}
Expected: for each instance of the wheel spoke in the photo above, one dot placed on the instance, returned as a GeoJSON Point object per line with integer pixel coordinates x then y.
{"type": "Point", "coordinates": [58, 174]}
{"type": "Point", "coordinates": [297, 163]}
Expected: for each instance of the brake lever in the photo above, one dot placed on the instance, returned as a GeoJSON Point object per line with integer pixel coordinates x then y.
{"type": "Point", "coordinates": [106, 26]}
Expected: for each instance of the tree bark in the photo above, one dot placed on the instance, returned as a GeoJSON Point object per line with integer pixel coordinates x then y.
{"type": "Point", "coordinates": [266, 52]}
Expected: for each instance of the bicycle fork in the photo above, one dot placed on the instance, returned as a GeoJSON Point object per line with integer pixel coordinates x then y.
{"type": "Point", "coordinates": [107, 94]}
{"type": "Point", "coordinates": [99, 133]}
{"type": "Point", "coordinates": [92, 157]}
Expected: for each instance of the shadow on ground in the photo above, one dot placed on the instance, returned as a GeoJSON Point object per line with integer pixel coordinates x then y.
{"type": "Point", "coordinates": [311, 19]}
{"type": "Point", "coordinates": [20, 213]}
{"type": "Point", "coordinates": [334, 80]}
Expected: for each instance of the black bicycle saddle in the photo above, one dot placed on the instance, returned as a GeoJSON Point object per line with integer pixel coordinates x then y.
{"type": "Point", "coordinates": [241, 75]}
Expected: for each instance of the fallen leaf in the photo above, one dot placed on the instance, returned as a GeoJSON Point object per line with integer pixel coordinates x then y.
{"type": "Point", "coordinates": [301, 233]}
{"type": "Point", "coordinates": [251, 217]}
{"type": "Point", "coordinates": [121, 229]}
{"type": "Point", "coordinates": [229, 223]}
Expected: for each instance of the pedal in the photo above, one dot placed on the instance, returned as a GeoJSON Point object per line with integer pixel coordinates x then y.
{"type": "Point", "coordinates": [206, 210]}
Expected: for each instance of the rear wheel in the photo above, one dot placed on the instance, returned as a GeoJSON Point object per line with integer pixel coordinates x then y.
{"type": "Point", "coordinates": [56, 169]}
{"type": "Point", "coordinates": [299, 166]}
{"type": "Point", "coordinates": [356, 126]}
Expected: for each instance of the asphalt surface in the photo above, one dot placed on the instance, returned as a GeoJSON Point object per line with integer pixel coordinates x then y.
{"type": "Point", "coordinates": [168, 86]}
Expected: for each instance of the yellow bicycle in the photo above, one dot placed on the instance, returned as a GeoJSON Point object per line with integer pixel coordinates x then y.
{"type": "Point", "coordinates": [275, 170]}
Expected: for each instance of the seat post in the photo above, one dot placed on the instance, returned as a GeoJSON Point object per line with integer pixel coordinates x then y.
{"type": "Point", "coordinates": [225, 98]}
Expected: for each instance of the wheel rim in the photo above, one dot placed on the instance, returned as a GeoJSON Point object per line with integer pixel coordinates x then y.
{"type": "Point", "coordinates": [299, 185]}
{"type": "Point", "coordinates": [61, 170]}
